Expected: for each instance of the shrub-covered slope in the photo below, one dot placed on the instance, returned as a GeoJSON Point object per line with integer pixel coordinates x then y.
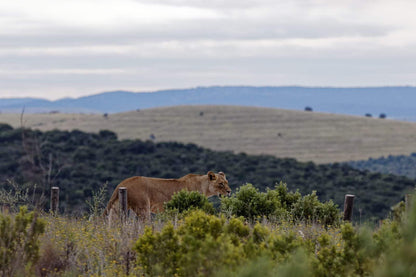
{"type": "Point", "coordinates": [79, 163]}
{"type": "Point", "coordinates": [397, 165]}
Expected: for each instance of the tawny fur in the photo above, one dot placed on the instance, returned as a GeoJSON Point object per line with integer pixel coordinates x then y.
{"type": "Point", "coordinates": [147, 195]}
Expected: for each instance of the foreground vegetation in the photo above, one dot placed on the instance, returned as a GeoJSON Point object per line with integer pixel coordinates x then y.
{"type": "Point", "coordinates": [187, 241]}
{"type": "Point", "coordinates": [82, 163]}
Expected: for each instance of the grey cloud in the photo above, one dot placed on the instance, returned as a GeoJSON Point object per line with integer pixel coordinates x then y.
{"type": "Point", "coordinates": [227, 50]}
{"type": "Point", "coordinates": [237, 20]}
{"type": "Point", "coordinates": [188, 73]}
{"type": "Point", "coordinates": [222, 5]}
{"type": "Point", "coordinates": [226, 29]}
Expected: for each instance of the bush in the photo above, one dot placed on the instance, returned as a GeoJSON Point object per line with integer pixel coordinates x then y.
{"type": "Point", "coordinates": [398, 241]}
{"type": "Point", "coordinates": [19, 241]}
{"type": "Point", "coordinates": [5, 127]}
{"type": "Point", "coordinates": [204, 245]}
{"type": "Point", "coordinates": [310, 208]}
{"type": "Point", "coordinates": [200, 246]}
{"type": "Point", "coordinates": [189, 200]}
{"type": "Point", "coordinates": [250, 203]}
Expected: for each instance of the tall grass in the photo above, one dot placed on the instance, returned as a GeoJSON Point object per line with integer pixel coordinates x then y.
{"type": "Point", "coordinates": [199, 244]}
{"type": "Point", "coordinates": [82, 246]}
{"type": "Point", "coordinates": [196, 243]}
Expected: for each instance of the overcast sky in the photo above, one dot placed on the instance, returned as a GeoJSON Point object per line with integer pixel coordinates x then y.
{"type": "Point", "coordinates": [69, 48]}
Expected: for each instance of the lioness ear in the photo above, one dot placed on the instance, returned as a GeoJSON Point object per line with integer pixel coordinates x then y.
{"type": "Point", "coordinates": [221, 173]}
{"type": "Point", "coordinates": [211, 176]}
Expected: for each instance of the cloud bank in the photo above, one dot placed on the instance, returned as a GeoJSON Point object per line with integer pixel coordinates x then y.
{"type": "Point", "coordinates": [59, 48]}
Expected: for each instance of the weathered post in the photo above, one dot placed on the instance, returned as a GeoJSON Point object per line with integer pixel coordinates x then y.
{"type": "Point", "coordinates": [122, 197]}
{"type": "Point", "coordinates": [348, 204]}
{"type": "Point", "coordinates": [54, 200]}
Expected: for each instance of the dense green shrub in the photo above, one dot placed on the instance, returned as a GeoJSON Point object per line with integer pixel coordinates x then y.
{"type": "Point", "coordinates": [5, 127]}
{"type": "Point", "coordinates": [398, 240]}
{"type": "Point", "coordinates": [19, 241]}
{"type": "Point", "coordinates": [345, 250]}
{"type": "Point", "coordinates": [188, 200]}
{"type": "Point", "coordinates": [250, 203]}
{"type": "Point", "coordinates": [206, 245]}
{"type": "Point", "coordinates": [201, 245]}
{"type": "Point", "coordinates": [310, 208]}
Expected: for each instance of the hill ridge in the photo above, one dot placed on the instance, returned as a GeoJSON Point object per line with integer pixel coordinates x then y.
{"type": "Point", "coordinates": [395, 102]}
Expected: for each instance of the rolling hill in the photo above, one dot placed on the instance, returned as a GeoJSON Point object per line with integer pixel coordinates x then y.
{"type": "Point", "coordinates": [395, 102]}
{"type": "Point", "coordinates": [306, 136]}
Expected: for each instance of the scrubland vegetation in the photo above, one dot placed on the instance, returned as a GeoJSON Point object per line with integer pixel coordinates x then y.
{"type": "Point", "coordinates": [285, 234]}
{"type": "Point", "coordinates": [81, 163]}
{"type": "Point", "coordinates": [398, 165]}
{"type": "Point", "coordinates": [266, 228]}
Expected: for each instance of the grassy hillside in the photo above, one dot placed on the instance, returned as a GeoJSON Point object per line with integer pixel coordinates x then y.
{"type": "Point", "coordinates": [306, 136]}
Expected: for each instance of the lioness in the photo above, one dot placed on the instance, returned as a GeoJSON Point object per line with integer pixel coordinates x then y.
{"type": "Point", "coordinates": [147, 195]}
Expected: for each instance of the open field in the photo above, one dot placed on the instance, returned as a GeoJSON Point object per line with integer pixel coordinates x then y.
{"type": "Point", "coordinates": [306, 136]}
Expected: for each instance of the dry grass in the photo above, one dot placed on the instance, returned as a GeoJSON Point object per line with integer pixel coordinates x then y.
{"type": "Point", "coordinates": [82, 247]}
{"type": "Point", "coordinates": [306, 136]}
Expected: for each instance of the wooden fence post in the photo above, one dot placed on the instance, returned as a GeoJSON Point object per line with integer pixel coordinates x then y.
{"type": "Point", "coordinates": [54, 200]}
{"type": "Point", "coordinates": [122, 197]}
{"type": "Point", "coordinates": [348, 204]}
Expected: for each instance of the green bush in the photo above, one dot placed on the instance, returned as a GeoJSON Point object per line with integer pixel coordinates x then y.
{"type": "Point", "coordinates": [19, 241]}
{"type": "Point", "coordinates": [189, 200]}
{"type": "Point", "coordinates": [206, 245]}
{"type": "Point", "coordinates": [203, 245]}
{"type": "Point", "coordinates": [250, 203]}
{"type": "Point", "coordinates": [310, 208]}
{"type": "Point", "coordinates": [198, 247]}
{"type": "Point", "coordinates": [398, 240]}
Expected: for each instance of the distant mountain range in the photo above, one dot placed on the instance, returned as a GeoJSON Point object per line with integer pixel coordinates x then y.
{"type": "Point", "coordinates": [395, 102]}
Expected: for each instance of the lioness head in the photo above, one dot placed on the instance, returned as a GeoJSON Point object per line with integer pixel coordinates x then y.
{"type": "Point", "coordinates": [218, 184]}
